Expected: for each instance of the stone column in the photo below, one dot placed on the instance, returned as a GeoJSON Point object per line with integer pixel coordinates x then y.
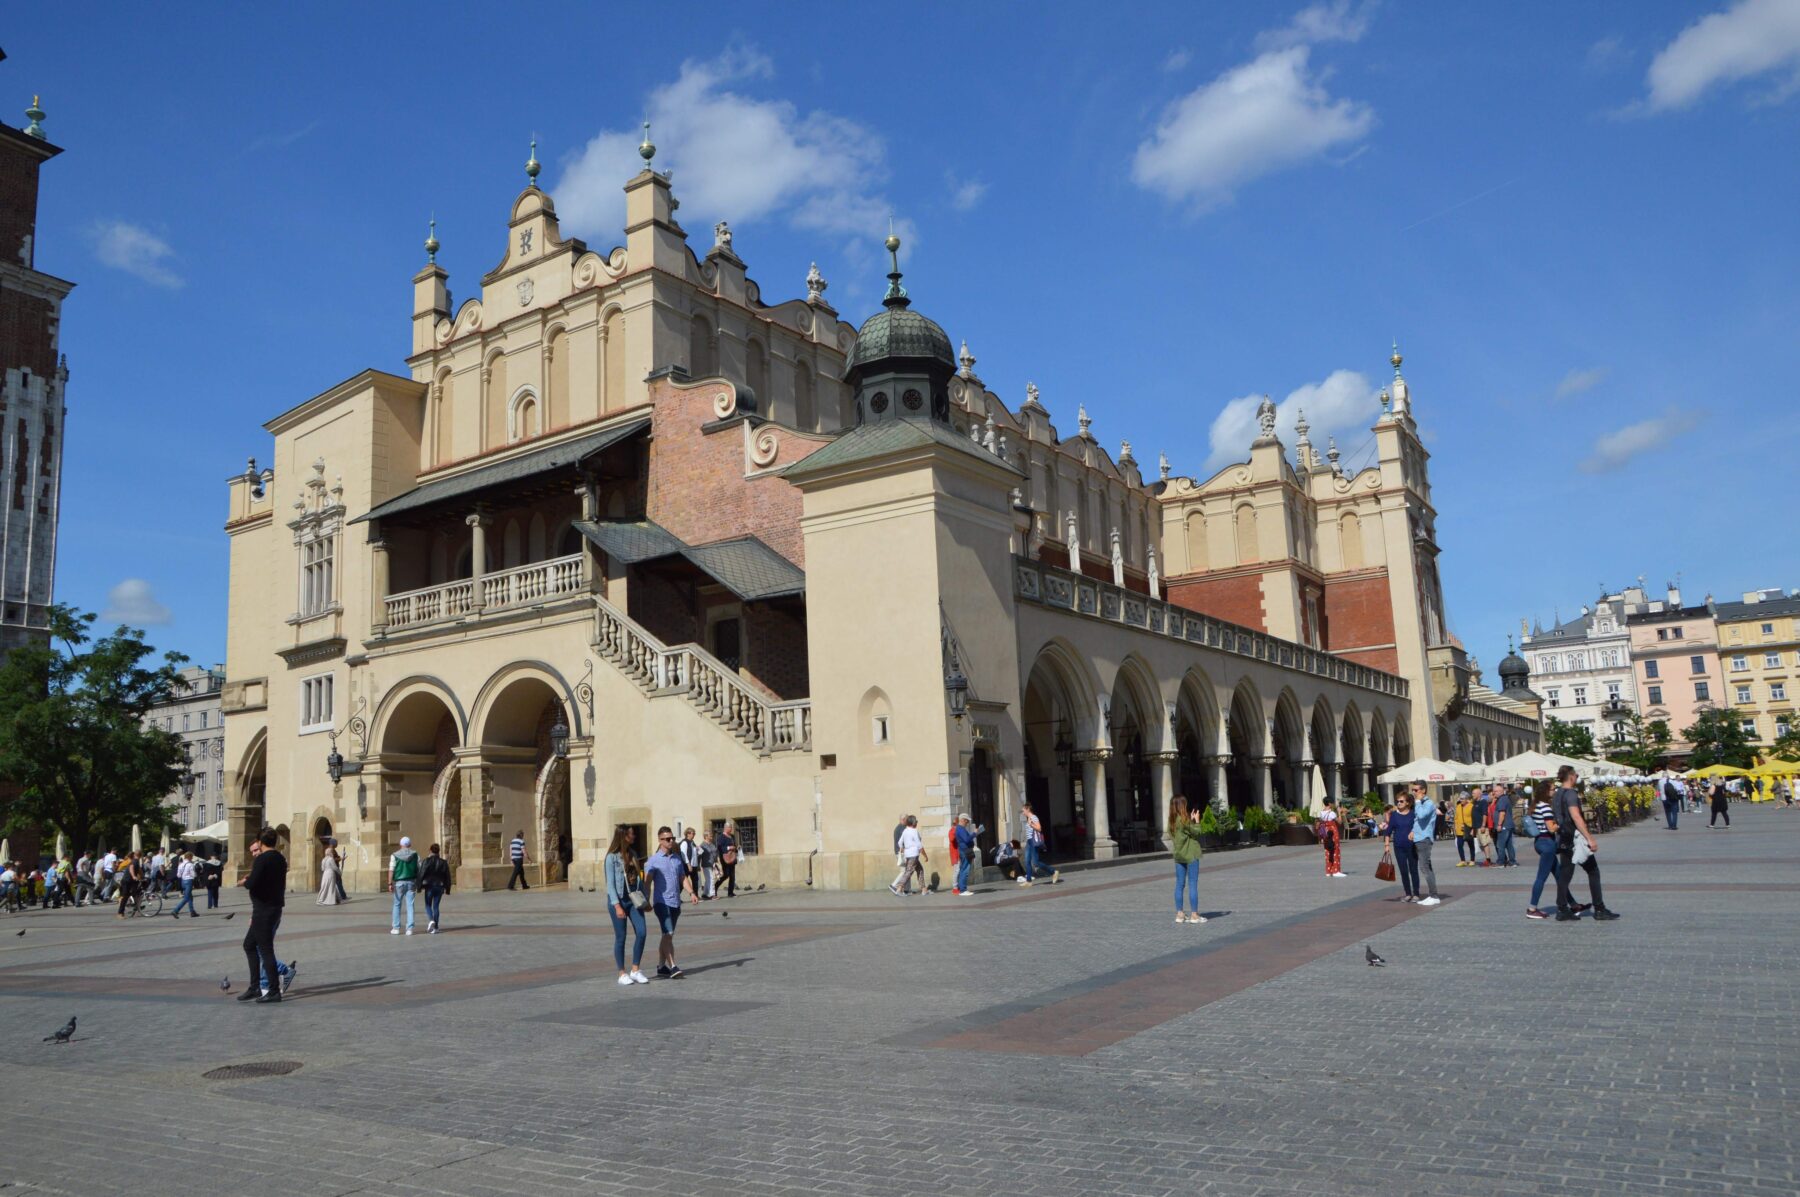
{"type": "Point", "coordinates": [1220, 784]}
{"type": "Point", "coordinates": [1093, 785]}
{"type": "Point", "coordinates": [1304, 790]}
{"type": "Point", "coordinates": [590, 552]}
{"type": "Point", "coordinates": [479, 830]}
{"type": "Point", "coordinates": [1162, 787]}
{"type": "Point", "coordinates": [378, 584]}
{"type": "Point", "coordinates": [478, 524]}
{"type": "Point", "coordinates": [1265, 782]}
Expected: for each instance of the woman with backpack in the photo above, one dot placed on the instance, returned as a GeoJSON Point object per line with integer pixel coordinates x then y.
{"type": "Point", "coordinates": [625, 902]}
{"type": "Point", "coordinates": [1541, 827]}
{"type": "Point", "coordinates": [1184, 842]}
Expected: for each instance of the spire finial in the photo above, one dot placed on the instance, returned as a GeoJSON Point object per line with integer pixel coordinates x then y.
{"type": "Point", "coordinates": [36, 116]}
{"type": "Point", "coordinates": [1162, 466]}
{"type": "Point", "coordinates": [431, 243]}
{"type": "Point", "coordinates": [815, 285]}
{"type": "Point", "coordinates": [646, 150]}
{"type": "Point", "coordinates": [1331, 452]}
{"type": "Point", "coordinates": [1396, 359]}
{"type": "Point", "coordinates": [966, 361]}
{"type": "Point", "coordinates": [1082, 418]}
{"type": "Point", "coordinates": [896, 294]}
{"type": "Point", "coordinates": [531, 166]}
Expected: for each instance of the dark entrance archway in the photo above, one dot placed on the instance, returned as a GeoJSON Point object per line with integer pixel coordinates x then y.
{"type": "Point", "coordinates": [981, 800]}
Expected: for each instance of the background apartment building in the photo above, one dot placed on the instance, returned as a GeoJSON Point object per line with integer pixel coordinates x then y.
{"type": "Point", "coordinates": [1759, 657]}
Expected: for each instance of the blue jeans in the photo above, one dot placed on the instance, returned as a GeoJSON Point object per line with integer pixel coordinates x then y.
{"type": "Point", "coordinates": [404, 890]}
{"type": "Point", "coordinates": [1034, 861]}
{"type": "Point", "coordinates": [1546, 850]}
{"type": "Point", "coordinates": [635, 919]}
{"type": "Point", "coordinates": [1406, 863]}
{"type": "Point", "coordinates": [1672, 812]}
{"type": "Point", "coordinates": [963, 863]}
{"type": "Point", "coordinates": [434, 900]}
{"type": "Point", "coordinates": [1504, 850]}
{"type": "Point", "coordinates": [1188, 875]}
{"type": "Point", "coordinates": [187, 900]}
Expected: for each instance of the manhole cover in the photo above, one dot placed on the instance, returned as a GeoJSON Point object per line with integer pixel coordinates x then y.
{"type": "Point", "coordinates": [250, 1072]}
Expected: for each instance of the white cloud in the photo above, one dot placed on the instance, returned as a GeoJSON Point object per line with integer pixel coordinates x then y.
{"type": "Point", "coordinates": [1607, 53]}
{"type": "Point", "coordinates": [1753, 37]}
{"type": "Point", "coordinates": [1344, 403]}
{"type": "Point", "coordinates": [1177, 59]}
{"type": "Point", "coordinates": [135, 250]}
{"type": "Point", "coordinates": [735, 158]}
{"type": "Point", "coordinates": [1263, 116]}
{"type": "Point", "coordinates": [279, 141]}
{"type": "Point", "coordinates": [964, 193]}
{"type": "Point", "coordinates": [1615, 449]}
{"type": "Point", "coordinates": [134, 602]}
{"type": "Point", "coordinates": [1576, 382]}
{"type": "Point", "coordinates": [1338, 21]}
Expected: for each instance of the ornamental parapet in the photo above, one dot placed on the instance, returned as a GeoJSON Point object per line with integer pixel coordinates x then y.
{"type": "Point", "coordinates": [1052, 586]}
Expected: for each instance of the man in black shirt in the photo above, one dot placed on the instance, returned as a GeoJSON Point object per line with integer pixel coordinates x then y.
{"type": "Point", "coordinates": [267, 886]}
{"type": "Point", "coordinates": [1571, 827]}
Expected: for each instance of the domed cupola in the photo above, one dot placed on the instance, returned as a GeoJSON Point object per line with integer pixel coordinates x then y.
{"type": "Point", "coordinates": [902, 363]}
{"type": "Point", "coordinates": [1514, 672]}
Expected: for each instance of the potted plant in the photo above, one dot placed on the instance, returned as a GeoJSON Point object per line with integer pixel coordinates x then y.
{"type": "Point", "coordinates": [1209, 829]}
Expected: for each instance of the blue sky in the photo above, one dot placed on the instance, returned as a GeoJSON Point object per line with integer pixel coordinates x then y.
{"type": "Point", "coordinates": [1577, 219]}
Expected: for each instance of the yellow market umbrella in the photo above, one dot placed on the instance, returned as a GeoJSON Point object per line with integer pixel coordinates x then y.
{"type": "Point", "coordinates": [1776, 769]}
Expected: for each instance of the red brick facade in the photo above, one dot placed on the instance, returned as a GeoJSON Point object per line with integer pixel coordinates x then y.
{"type": "Point", "coordinates": [1235, 598]}
{"type": "Point", "coordinates": [1359, 619]}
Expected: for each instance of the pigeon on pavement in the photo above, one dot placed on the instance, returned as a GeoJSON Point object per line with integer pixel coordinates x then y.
{"type": "Point", "coordinates": [21, 931]}
{"type": "Point", "coordinates": [63, 1035]}
{"type": "Point", "coordinates": [231, 916]}
{"type": "Point", "coordinates": [1369, 955]}
{"type": "Point", "coordinates": [225, 985]}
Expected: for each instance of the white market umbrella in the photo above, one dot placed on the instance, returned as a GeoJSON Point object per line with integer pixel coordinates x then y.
{"type": "Point", "coordinates": [1432, 772]}
{"type": "Point", "coordinates": [1531, 766]}
{"type": "Point", "coordinates": [1318, 788]}
{"type": "Point", "coordinates": [137, 838]}
{"type": "Point", "coordinates": [212, 831]}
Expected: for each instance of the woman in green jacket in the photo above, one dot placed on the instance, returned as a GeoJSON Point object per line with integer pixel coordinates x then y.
{"type": "Point", "coordinates": [1184, 839]}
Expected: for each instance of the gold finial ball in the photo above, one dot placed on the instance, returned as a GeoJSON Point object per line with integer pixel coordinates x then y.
{"type": "Point", "coordinates": [892, 243]}
{"type": "Point", "coordinates": [1396, 359]}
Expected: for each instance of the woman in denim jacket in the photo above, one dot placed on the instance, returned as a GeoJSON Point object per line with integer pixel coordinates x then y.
{"type": "Point", "coordinates": [623, 879]}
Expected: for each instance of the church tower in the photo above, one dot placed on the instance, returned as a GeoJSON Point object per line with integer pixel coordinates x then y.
{"type": "Point", "coordinates": [32, 376]}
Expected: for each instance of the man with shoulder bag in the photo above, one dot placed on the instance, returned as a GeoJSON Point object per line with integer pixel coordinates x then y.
{"type": "Point", "coordinates": [1574, 846]}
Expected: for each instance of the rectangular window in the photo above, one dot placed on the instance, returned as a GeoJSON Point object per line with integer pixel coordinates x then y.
{"type": "Point", "coordinates": [1696, 664]}
{"type": "Point", "coordinates": [184, 723]}
{"type": "Point", "coordinates": [1656, 696]}
{"type": "Point", "coordinates": [1768, 629]}
{"type": "Point", "coordinates": [1771, 660]}
{"type": "Point", "coordinates": [1743, 695]}
{"type": "Point", "coordinates": [1651, 669]}
{"type": "Point", "coordinates": [1581, 696]}
{"type": "Point", "coordinates": [316, 574]}
{"type": "Point", "coordinates": [1750, 729]}
{"type": "Point", "coordinates": [1702, 692]}
{"type": "Point", "coordinates": [747, 838]}
{"type": "Point", "coordinates": [1674, 633]}
{"type": "Point", "coordinates": [202, 718]}
{"type": "Point", "coordinates": [315, 703]}
{"type": "Point", "coordinates": [200, 781]}
{"type": "Point", "coordinates": [1781, 728]}
{"type": "Point", "coordinates": [1662, 633]}
{"type": "Point", "coordinates": [1555, 697]}
{"type": "Point", "coordinates": [1777, 691]}
{"type": "Point", "coordinates": [1739, 663]}
{"type": "Point", "coordinates": [1612, 690]}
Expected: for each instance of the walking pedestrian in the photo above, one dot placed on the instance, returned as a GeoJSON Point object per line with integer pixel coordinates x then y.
{"type": "Point", "coordinates": [130, 876]}
{"type": "Point", "coordinates": [84, 880]}
{"type": "Point", "coordinates": [519, 860]}
{"type": "Point", "coordinates": [215, 875]}
{"type": "Point", "coordinates": [726, 844]}
{"type": "Point", "coordinates": [1185, 847]}
{"type": "Point", "coordinates": [1721, 804]}
{"type": "Point", "coordinates": [1424, 832]}
{"type": "Point", "coordinates": [403, 874]}
{"type": "Point", "coordinates": [337, 857]}
{"type": "Point", "coordinates": [1484, 831]}
{"type": "Point", "coordinates": [434, 879]}
{"type": "Point", "coordinates": [625, 902]}
{"type": "Point", "coordinates": [328, 876]}
{"type": "Point", "coordinates": [962, 836]}
{"type": "Point", "coordinates": [1574, 846]}
{"type": "Point", "coordinates": [1462, 821]}
{"type": "Point", "coordinates": [184, 874]}
{"type": "Point", "coordinates": [1397, 829]}
{"type": "Point", "coordinates": [1500, 824]}
{"type": "Point", "coordinates": [1540, 825]}
{"type": "Point", "coordinates": [1330, 830]}
{"type": "Point", "coordinates": [266, 883]}
{"type": "Point", "coordinates": [1036, 845]}
{"type": "Point", "coordinates": [1670, 789]}
{"type": "Point", "coordinates": [912, 856]}
{"type": "Point", "coordinates": [109, 865]}
{"type": "Point", "coordinates": [668, 880]}
{"type": "Point", "coordinates": [709, 868]}
{"type": "Point", "coordinates": [690, 856]}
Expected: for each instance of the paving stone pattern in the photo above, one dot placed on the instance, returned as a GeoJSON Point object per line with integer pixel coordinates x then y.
{"type": "Point", "coordinates": [1061, 1039]}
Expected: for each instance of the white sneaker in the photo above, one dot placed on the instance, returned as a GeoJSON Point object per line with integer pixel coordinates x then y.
{"type": "Point", "coordinates": [638, 978]}
{"type": "Point", "coordinates": [393, 931]}
{"type": "Point", "coordinates": [624, 980]}
{"type": "Point", "coordinates": [409, 930]}
{"type": "Point", "coordinates": [1196, 918]}
{"type": "Point", "coordinates": [968, 893]}
{"type": "Point", "coordinates": [1340, 874]}
{"type": "Point", "coordinates": [1181, 918]}
{"type": "Point", "coordinates": [1429, 901]}
{"type": "Point", "coordinates": [1022, 881]}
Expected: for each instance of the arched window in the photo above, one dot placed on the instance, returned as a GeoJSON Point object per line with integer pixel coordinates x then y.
{"type": "Point", "coordinates": [1248, 550]}
{"type": "Point", "coordinates": [806, 413]}
{"type": "Point", "coordinates": [494, 402]}
{"type": "Point", "coordinates": [1196, 541]}
{"type": "Point", "coordinates": [1350, 539]}
{"type": "Point", "coordinates": [523, 417]}
{"type": "Point", "coordinates": [701, 362]}
{"type": "Point", "coordinates": [443, 420]}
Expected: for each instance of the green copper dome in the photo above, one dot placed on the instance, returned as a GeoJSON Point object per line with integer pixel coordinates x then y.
{"type": "Point", "coordinates": [899, 332]}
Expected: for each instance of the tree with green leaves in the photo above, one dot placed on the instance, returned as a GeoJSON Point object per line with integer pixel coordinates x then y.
{"type": "Point", "coordinates": [1718, 738]}
{"type": "Point", "coordinates": [1645, 744]}
{"type": "Point", "coordinates": [1787, 745]}
{"type": "Point", "coordinates": [75, 742]}
{"type": "Point", "coordinates": [1568, 739]}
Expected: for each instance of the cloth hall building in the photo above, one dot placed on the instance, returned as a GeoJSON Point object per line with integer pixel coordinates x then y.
{"type": "Point", "coordinates": [628, 543]}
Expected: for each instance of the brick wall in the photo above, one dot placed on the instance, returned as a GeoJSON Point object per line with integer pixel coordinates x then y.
{"type": "Point", "coordinates": [1237, 598]}
{"type": "Point", "coordinates": [666, 608]}
{"type": "Point", "coordinates": [1359, 613]}
{"type": "Point", "coordinates": [18, 199]}
{"type": "Point", "coordinates": [27, 340]}
{"type": "Point", "coordinates": [776, 650]}
{"type": "Point", "coordinates": [698, 486]}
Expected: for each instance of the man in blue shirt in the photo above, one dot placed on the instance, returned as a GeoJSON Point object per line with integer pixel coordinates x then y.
{"type": "Point", "coordinates": [668, 877]}
{"type": "Point", "coordinates": [1425, 814]}
{"type": "Point", "coordinates": [966, 851]}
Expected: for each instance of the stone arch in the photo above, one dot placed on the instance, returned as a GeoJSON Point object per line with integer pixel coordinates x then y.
{"type": "Point", "coordinates": [1060, 706]}
{"type": "Point", "coordinates": [1246, 737]}
{"type": "Point", "coordinates": [252, 792]}
{"type": "Point", "coordinates": [1135, 685]}
{"type": "Point", "coordinates": [1288, 747]}
{"type": "Point", "coordinates": [446, 809]}
{"type": "Point", "coordinates": [1380, 756]}
{"type": "Point", "coordinates": [318, 829]}
{"type": "Point", "coordinates": [491, 722]}
{"type": "Point", "coordinates": [553, 819]}
{"type": "Point", "coordinates": [1322, 749]}
{"type": "Point", "coordinates": [702, 351]}
{"type": "Point", "coordinates": [1402, 746]}
{"type": "Point", "coordinates": [494, 401]}
{"type": "Point", "coordinates": [524, 415]}
{"type": "Point", "coordinates": [512, 544]}
{"type": "Point", "coordinates": [1137, 731]}
{"type": "Point", "coordinates": [1350, 539]}
{"type": "Point", "coordinates": [875, 721]}
{"type": "Point", "coordinates": [1197, 727]}
{"type": "Point", "coordinates": [537, 540]}
{"type": "Point", "coordinates": [399, 724]}
{"type": "Point", "coordinates": [440, 436]}
{"type": "Point", "coordinates": [1352, 744]}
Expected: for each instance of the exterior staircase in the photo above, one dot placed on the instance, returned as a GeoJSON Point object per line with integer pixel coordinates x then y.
{"type": "Point", "coordinates": [712, 687]}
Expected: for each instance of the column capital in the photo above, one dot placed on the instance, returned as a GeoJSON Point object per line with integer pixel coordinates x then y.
{"type": "Point", "coordinates": [1162, 758]}
{"type": "Point", "coordinates": [1092, 754]}
{"type": "Point", "coordinates": [1218, 761]}
{"type": "Point", "coordinates": [479, 518]}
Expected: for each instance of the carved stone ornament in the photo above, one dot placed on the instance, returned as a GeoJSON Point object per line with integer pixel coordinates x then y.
{"type": "Point", "coordinates": [526, 290]}
{"type": "Point", "coordinates": [1265, 416]}
{"type": "Point", "coordinates": [765, 448]}
{"type": "Point", "coordinates": [815, 285]}
{"type": "Point", "coordinates": [724, 403]}
{"type": "Point", "coordinates": [722, 236]}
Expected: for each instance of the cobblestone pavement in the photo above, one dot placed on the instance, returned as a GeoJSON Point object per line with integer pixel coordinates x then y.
{"type": "Point", "coordinates": [1066, 1039]}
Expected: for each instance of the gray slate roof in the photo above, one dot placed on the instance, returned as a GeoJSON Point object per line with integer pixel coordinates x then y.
{"type": "Point", "coordinates": [513, 469]}
{"type": "Point", "coordinates": [744, 565]}
{"type": "Point", "coordinates": [1737, 612]}
{"type": "Point", "coordinates": [872, 441]}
